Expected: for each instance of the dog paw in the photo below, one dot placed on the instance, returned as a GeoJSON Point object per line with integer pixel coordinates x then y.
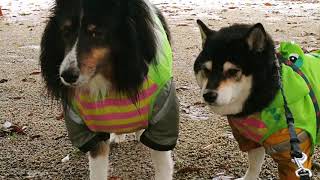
{"type": "Point", "coordinates": [117, 138]}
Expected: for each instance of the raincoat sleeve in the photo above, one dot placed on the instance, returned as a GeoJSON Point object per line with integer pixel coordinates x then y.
{"type": "Point", "coordinates": [79, 134]}
{"type": "Point", "coordinates": [162, 132]}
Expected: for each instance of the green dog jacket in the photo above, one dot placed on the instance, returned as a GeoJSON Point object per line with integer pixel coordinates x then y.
{"type": "Point", "coordinates": [260, 126]}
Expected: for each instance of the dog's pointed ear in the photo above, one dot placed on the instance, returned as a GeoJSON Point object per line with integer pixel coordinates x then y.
{"type": "Point", "coordinates": [256, 38]}
{"type": "Point", "coordinates": [204, 30]}
{"type": "Point", "coordinates": [58, 2]}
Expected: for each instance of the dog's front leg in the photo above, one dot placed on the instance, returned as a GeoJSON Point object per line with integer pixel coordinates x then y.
{"type": "Point", "coordinates": [256, 159]}
{"type": "Point", "coordinates": [99, 161]}
{"type": "Point", "coordinates": [163, 164]}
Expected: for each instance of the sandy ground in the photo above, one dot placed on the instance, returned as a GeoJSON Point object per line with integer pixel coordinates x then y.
{"type": "Point", "coordinates": [206, 148]}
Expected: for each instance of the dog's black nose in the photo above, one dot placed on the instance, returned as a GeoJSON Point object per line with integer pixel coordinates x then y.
{"type": "Point", "coordinates": [70, 76]}
{"type": "Point", "coordinates": [210, 97]}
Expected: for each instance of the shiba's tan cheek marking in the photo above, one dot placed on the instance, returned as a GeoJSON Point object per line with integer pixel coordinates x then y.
{"type": "Point", "coordinates": [89, 62]}
{"type": "Point", "coordinates": [208, 65]}
{"type": "Point", "coordinates": [228, 65]}
{"type": "Point", "coordinates": [230, 82]}
{"type": "Point", "coordinates": [200, 78]}
{"type": "Point", "coordinates": [224, 84]}
{"type": "Point", "coordinates": [91, 27]}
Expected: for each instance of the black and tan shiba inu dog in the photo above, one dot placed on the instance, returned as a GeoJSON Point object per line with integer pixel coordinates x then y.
{"type": "Point", "coordinates": [239, 76]}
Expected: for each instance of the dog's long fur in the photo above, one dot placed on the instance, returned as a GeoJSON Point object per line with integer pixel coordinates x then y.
{"type": "Point", "coordinates": [57, 40]}
{"type": "Point", "coordinates": [120, 37]}
{"type": "Point", "coordinates": [130, 36]}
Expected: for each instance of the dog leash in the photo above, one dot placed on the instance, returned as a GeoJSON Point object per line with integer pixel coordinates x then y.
{"type": "Point", "coordinates": [297, 156]}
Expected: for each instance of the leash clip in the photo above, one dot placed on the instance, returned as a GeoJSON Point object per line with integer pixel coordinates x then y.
{"type": "Point", "coordinates": [299, 161]}
{"type": "Point", "coordinates": [302, 172]}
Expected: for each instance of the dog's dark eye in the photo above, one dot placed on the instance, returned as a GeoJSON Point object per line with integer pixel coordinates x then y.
{"type": "Point", "coordinates": [94, 32]}
{"type": "Point", "coordinates": [69, 30]}
{"type": "Point", "coordinates": [66, 31]}
{"type": "Point", "coordinates": [232, 72]}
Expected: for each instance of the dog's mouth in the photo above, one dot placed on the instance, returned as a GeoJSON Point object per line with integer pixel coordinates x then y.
{"type": "Point", "coordinates": [74, 80]}
{"type": "Point", "coordinates": [224, 109]}
{"type": "Point", "coordinates": [211, 98]}
{"type": "Point", "coordinates": [212, 104]}
{"type": "Point", "coordinates": [215, 104]}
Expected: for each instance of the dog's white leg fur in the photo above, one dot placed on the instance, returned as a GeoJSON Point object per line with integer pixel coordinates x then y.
{"type": "Point", "coordinates": [256, 159]}
{"type": "Point", "coordinates": [138, 134]}
{"type": "Point", "coordinates": [99, 162]}
{"type": "Point", "coordinates": [163, 164]}
{"type": "Point", "coordinates": [117, 138]}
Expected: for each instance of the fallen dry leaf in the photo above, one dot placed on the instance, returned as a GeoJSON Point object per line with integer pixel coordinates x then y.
{"type": "Point", "coordinates": [268, 4]}
{"type": "Point", "coordinates": [60, 117]}
{"type": "Point", "coordinates": [199, 103]}
{"type": "Point", "coordinates": [17, 129]}
{"type": "Point", "coordinates": [35, 73]}
{"type": "Point", "coordinates": [29, 80]}
{"type": "Point", "coordinates": [3, 81]}
{"type": "Point", "coordinates": [35, 137]}
{"type": "Point", "coordinates": [17, 98]}
{"type": "Point", "coordinates": [182, 25]}
{"type": "Point", "coordinates": [182, 88]}
{"type": "Point", "coordinates": [9, 128]}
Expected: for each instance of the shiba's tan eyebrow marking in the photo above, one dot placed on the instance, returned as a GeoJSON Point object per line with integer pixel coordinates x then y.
{"type": "Point", "coordinates": [208, 65]}
{"type": "Point", "coordinates": [91, 27]}
{"type": "Point", "coordinates": [67, 23]}
{"type": "Point", "coordinates": [228, 65]}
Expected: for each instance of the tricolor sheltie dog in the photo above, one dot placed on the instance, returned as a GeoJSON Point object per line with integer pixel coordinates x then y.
{"type": "Point", "coordinates": [239, 76]}
{"type": "Point", "coordinates": [109, 63]}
